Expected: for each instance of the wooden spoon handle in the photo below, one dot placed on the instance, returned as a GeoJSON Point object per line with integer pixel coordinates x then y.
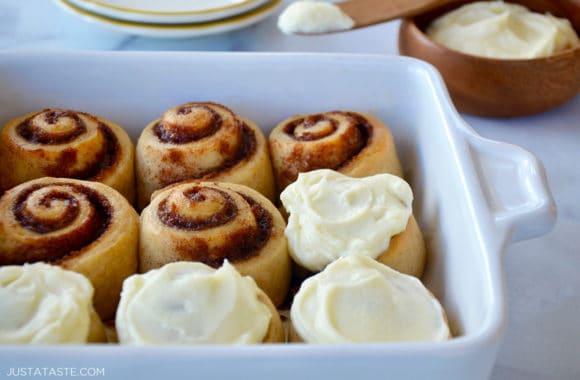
{"type": "Point", "coordinates": [368, 12]}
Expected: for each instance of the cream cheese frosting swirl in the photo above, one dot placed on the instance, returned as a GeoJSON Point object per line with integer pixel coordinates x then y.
{"type": "Point", "coordinates": [357, 299]}
{"type": "Point", "coordinates": [191, 303]}
{"type": "Point", "coordinates": [333, 215]}
{"type": "Point", "coordinates": [44, 304]}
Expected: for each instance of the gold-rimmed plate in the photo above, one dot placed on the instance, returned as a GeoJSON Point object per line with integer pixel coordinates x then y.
{"type": "Point", "coordinates": [168, 11]}
{"type": "Point", "coordinates": [183, 30]}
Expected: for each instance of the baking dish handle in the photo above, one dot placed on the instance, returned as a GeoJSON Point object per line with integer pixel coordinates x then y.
{"type": "Point", "coordinates": [515, 187]}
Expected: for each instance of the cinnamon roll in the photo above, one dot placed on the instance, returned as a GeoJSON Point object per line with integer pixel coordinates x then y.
{"type": "Point", "coordinates": [211, 222]}
{"type": "Point", "coordinates": [70, 144]}
{"type": "Point", "coordinates": [204, 141]}
{"type": "Point", "coordinates": [87, 227]}
{"type": "Point", "coordinates": [333, 215]}
{"type": "Point", "coordinates": [354, 144]}
{"type": "Point", "coordinates": [192, 303]}
{"type": "Point", "coordinates": [45, 304]}
{"type": "Point", "coordinates": [359, 300]}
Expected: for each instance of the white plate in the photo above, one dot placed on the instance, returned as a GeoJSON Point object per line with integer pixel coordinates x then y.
{"type": "Point", "coordinates": [174, 30]}
{"type": "Point", "coordinates": [168, 11]}
{"type": "Point", "coordinates": [472, 196]}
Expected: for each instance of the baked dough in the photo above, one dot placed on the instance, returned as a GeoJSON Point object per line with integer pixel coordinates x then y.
{"type": "Point", "coordinates": [210, 222]}
{"type": "Point", "coordinates": [203, 141]}
{"type": "Point", "coordinates": [64, 143]}
{"type": "Point", "coordinates": [354, 144]}
{"type": "Point", "coordinates": [84, 226]}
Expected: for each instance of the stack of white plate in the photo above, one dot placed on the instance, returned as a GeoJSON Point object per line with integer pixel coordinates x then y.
{"type": "Point", "coordinates": [171, 18]}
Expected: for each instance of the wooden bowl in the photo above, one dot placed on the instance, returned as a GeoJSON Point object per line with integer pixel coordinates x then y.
{"type": "Point", "coordinates": [499, 87]}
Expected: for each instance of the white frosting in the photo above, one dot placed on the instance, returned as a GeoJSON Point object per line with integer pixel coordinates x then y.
{"type": "Point", "coordinates": [191, 303]}
{"type": "Point", "coordinates": [357, 299]}
{"type": "Point", "coordinates": [41, 303]}
{"type": "Point", "coordinates": [313, 17]}
{"type": "Point", "coordinates": [333, 215]}
{"type": "Point", "coordinates": [496, 29]}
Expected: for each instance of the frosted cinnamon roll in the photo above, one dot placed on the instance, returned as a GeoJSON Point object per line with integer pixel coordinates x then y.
{"type": "Point", "coordinates": [63, 143]}
{"type": "Point", "coordinates": [354, 144]}
{"type": "Point", "coordinates": [45, 304]}
{"type": "Point", "coordinates": [333, 215]}
{"type": "Point", "coordinates": [211, 222]}
{"type": "Point", "coordinates": [192, 303]}
{"type": "Point", "coordinates": [204, 141]}
{"type": "Point", "coordinates": [87, 227]}
{"type": "Point", "coordinates": [359, 300]}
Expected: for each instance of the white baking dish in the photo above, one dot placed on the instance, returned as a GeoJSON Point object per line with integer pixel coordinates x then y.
{"type": "Point", "coordinates": [472, 195]}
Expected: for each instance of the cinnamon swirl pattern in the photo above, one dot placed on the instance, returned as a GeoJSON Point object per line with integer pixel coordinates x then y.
{"type": "Point", "coordinates": [83, 226]}
{"type": "Point", "coordinates": [64, 143]}
{"type": "Point", "coordinates": [354, 144]}
{"type": "Point", "coordinates": [204, 141]}
{"type": "Point", "coordinates": [211, 222]}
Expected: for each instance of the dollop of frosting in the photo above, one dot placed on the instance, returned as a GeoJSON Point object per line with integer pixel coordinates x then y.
{"type": "Point", "coordinates": [313, 17]}
{"type": "Point", "coordinates": [357, 299]}
{"type": "Point", "coordinates": [333, 215]}
{"type": "Point", "coordinates": [495, 29]}
{"type": "Point", "coordinates": [191, 303]}
{"type": "Point", "coordinates": [44, 304]}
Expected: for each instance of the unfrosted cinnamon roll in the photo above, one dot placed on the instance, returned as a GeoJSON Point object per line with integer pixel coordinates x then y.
{"type": "Point", "coordinates": [211, 222]}
{"type": "Point", "coordinates": [87, 227]}
{"type": "Point", "coordinates": [354, 144]}
{"type": "Point", "coordinates": [63, 143]}
{"type": "Point", "coordinates": [204, 141]}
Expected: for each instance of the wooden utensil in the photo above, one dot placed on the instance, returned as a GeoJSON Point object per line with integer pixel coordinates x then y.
{"type": "Point", "coordinates": [369, 12]}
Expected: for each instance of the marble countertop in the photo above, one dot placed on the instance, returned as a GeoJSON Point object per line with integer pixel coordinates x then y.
{"type": "Point", "coordinates": [543, 286]}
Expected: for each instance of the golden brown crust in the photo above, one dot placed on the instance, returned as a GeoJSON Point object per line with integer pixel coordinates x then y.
{"type": "Point", "coordinates": [203, 141]}
{"type": "Point", "coordinates": [354, 144]}
{"type": "Point", "coordinates": [406, 252]}
{"type": "Point", "coordinates": [83, 226]}
{"type": "Point", "coordinates": [293, 336]}
{"type": "Point", "coordinates": [275, 333]}
{"type": "Point", "coordinates": [96, 330]}
{"type": "Point", "coordinates": [211, 222]}
{"type": "Point", "coordinates": [111, 331]}
{"type": "Point", "coordinates": [69, 144]}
